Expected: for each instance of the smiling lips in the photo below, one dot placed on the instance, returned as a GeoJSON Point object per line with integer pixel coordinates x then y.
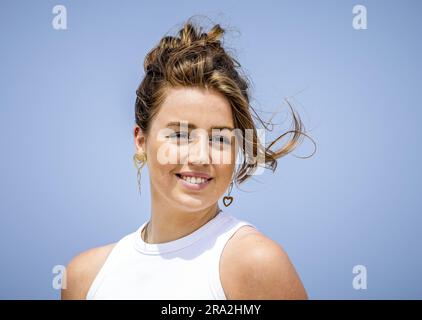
{"type": "Point", "coordinates": [193, 180]}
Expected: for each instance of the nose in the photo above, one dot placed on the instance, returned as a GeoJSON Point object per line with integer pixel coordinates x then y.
{"type": "Point", "coordinates": [199, 150]}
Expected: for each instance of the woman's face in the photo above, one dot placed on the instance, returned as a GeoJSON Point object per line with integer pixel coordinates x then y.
{"type": "Point", "coordinates": [181, 140]}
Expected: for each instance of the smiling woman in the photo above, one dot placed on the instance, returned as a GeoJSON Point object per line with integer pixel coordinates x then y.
{"type": "Point", "coordinates": [192, 117]}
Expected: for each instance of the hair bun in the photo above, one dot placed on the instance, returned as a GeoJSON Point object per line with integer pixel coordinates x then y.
{"type": "Point", "coordinates": [188, 37]}
{"type": "Point", "coordinates": [191, 33]}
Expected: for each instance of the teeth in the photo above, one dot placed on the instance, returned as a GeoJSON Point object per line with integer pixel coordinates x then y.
{"type": "Point", "coordinates": [194, 180]}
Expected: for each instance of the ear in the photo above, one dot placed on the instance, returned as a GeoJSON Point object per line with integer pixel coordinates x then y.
{"type": "Point", "coordinates": [140, 140]}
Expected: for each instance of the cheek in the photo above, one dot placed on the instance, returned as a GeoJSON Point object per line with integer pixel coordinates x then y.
{"type": "Point", "coordinates": [223, 156]}
{"type": "Point", "coordinates": [223, 175]}
{"type": "Point", "coordinates": [170, 154]}
{"type": "Point", "coordinates": [163, 163]}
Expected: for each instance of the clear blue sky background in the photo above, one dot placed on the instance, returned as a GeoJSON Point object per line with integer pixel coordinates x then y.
{"type": "Point", "coordinates": [66, 117]}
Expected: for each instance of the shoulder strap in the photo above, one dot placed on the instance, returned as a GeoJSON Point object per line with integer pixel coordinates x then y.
{"type": "Point", "coordinates": [110, 261]}
{"type": "Point", "coordinates": [229, 229]}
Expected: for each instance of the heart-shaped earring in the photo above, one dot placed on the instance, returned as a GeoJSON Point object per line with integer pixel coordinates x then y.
{"type": "Point", "coordinates": [227, 198]}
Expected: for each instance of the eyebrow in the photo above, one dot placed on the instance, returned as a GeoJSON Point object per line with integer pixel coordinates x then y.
{"type": "Point", "coordinates": [192, 126]}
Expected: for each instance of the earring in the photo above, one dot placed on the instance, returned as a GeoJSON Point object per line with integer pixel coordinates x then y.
{"type": "Point", "coordinates": [142, 159]}
{"type": "Point", "coordinates": [227, 200]}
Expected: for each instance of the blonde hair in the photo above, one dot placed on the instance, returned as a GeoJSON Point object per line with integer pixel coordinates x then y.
{"type": "Point", "coordinates": [194, 58]}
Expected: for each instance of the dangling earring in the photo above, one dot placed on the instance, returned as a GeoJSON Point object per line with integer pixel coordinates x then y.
{"type": "Point", "coordinates": [227, 200]}
{"type": "Point", "coordinates": [142, 159]}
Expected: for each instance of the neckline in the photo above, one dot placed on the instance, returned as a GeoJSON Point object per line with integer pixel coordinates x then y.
{"type": "Point", "coordinates": [174, 245]}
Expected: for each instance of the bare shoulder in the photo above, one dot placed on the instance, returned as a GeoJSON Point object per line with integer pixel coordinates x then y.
{"type": "Point", "coordinates": [254, 266]}
{"type": "Point", "coordinates": [82, 270]}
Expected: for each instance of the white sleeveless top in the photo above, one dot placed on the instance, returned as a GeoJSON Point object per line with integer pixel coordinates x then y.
{"type": "Point", "coordinates": [185, 268]}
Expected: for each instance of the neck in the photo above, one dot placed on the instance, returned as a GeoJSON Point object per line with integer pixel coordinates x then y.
{"type": "Point", "coordinates": [168, 224]}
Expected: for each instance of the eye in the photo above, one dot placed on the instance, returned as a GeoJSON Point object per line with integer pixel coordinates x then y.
{"type": "Point", "coordinates": [222, 139]}
{"type": "Point", "coordinates": [179, 136]}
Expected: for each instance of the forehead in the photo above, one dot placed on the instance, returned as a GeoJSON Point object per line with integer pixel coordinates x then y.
{"type": "Point", "coordinates": [201, 107]}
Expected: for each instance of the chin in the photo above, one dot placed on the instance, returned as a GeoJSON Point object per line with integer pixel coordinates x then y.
{"type": "Point", "coordinates": [191, 202]}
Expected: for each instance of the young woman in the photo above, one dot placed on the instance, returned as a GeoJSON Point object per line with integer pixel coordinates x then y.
{"type": "Point", "coordinates": [192, 109]}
